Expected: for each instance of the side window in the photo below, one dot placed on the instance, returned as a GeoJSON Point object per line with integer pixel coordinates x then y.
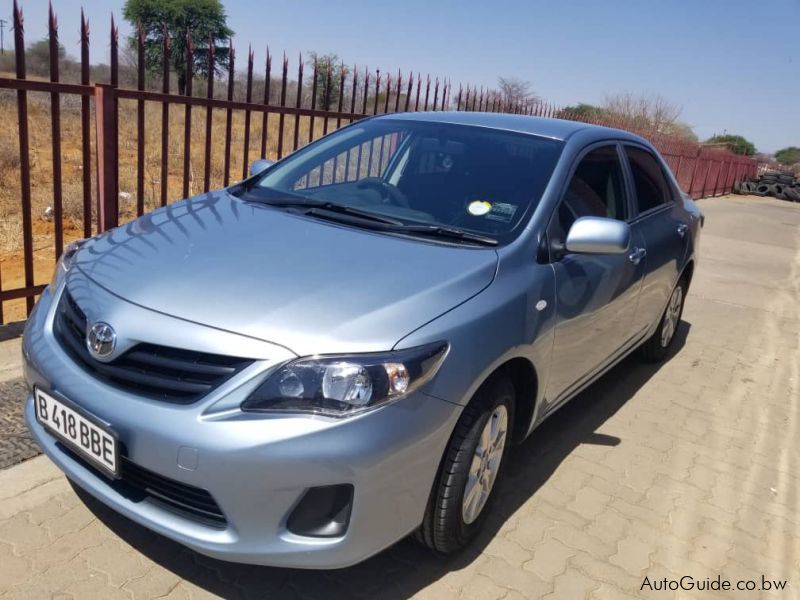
{"type": "Point", "coordinates": [595, 190]}
{"type": "Point", "coordinates": [652, 189]}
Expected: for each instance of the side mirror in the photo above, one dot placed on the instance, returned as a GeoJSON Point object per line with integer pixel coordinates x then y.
{"type": "Point", "coordinates": [259, 165]}
{"type": "Point", "coordinates": [598, 235]}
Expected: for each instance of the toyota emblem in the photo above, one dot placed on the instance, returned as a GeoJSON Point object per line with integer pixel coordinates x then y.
{"type": "Point", "coordinates": [101, 340]}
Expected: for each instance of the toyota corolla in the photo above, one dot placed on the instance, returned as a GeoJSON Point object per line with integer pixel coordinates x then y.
{"type": "Point", "coordinates": [307, 366]}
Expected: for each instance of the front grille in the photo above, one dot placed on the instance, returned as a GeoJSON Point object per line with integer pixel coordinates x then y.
{"type": "Point", "coordinates": [137, 484]}
{"type": "Point", "coordinates": [195, 502]}
{"type": "Point", "coordinates": [158, 372]}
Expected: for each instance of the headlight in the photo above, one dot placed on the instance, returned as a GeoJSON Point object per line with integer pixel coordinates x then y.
{"type": "Point", "coordinates": [65, 261]}
{"type": "Point", "coordinates": [345, 385]}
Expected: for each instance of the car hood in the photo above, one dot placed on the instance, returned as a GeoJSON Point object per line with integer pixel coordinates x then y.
{"type": "Point", "coordinates": [312, 286]}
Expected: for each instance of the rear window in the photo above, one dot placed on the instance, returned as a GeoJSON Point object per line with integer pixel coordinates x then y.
{"type": "Point", "coordinates": [649, 181]}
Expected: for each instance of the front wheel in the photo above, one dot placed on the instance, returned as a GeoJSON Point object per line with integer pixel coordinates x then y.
{"type": "Point", "coordinates": [472, 462]}
{"type": "Point", "coordinates": [657, 347]}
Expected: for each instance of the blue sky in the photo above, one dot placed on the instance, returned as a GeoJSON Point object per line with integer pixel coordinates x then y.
{"type": "Point", "coordinates": [733, 65]}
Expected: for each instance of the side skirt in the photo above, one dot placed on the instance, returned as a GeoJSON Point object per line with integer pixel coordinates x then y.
{"type": "Point", "coordinates": [590, 380]}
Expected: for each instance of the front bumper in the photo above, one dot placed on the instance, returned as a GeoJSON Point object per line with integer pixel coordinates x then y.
{"type": "Point", "coordinates": [256, 467]}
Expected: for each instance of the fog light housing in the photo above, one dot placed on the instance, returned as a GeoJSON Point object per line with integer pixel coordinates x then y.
{"type": "Point", "coordinates": [323, 511]}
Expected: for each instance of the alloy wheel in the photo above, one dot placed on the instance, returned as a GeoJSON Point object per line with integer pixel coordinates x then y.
{"type": "Point", "coordinates": [672, 316]}
{"type": "Point", "coordinates": [485, 464]}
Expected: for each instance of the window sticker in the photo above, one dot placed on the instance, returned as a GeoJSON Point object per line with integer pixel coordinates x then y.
{"type": "Point", "coordinates": [478, 208]}
{"type": "Point", "coordinates": [502, 212]}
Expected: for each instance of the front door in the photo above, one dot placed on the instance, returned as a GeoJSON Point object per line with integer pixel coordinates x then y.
{"type": "Point", "coordinates": [596, 294]}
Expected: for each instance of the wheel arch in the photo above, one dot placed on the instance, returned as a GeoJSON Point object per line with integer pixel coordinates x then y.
{"type": "Point", "coordinates": [525, 380]}
{"type": "Point", "coordinates": [688, 273]}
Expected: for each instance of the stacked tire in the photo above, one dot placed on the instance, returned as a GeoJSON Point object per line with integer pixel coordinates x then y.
{"type": "Point", "coordinates": [783, 186]}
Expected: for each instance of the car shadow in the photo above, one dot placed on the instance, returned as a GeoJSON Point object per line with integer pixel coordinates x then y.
{"type": "Point", "coordinates": [407, 567]}
{"type": "Point", "coordinates": [9, 331]}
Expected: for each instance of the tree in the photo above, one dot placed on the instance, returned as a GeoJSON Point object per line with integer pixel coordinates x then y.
{"type": "Point", "coordinates": [682, 130]}
{"type": "Point", "coordinates": [37, 56]}
{"type": "Point", "coordinates": [653, 113]}
{"type": "Point", "coordinates": [515, 91]}
{"type": "Point", "coordinates": [788, 156]}
{"type": "Point", "coordinates": [583, 112]}
{"type": "Point", "coordinates": [328, 95]}
{"type": "Point", "coordinates": [205, 20]}
{"type": "Point", "coordinates": [638, 112]}
{"type": "Point", "coordinates": [735, 143]}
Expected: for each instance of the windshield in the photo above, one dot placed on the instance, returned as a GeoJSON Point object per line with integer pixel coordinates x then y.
{"type": "Point", "coordinates": [468, 178]}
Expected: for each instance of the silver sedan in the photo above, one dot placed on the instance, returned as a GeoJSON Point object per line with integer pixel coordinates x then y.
{"type": "Point", "coordinates": [305, 367]}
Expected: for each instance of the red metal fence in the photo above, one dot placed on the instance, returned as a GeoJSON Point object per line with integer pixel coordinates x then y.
{"type": "Point", "coordinates": [348, 95]}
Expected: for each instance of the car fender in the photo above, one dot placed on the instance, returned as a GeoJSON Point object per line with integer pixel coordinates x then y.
{"type": "Point", "coordinates": [513, 318]}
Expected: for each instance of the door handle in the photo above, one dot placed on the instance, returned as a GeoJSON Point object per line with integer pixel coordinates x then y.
{"type": "Point", "coordinates": [637, 255]}
{"type": "Point", "coordinates": [682, 229]}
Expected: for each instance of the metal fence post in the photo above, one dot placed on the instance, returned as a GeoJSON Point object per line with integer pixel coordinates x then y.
{"type": "Point", "coordinates": [694, 171]}
{"type": "Point", "coordinates": [24, 156]}
{"type": "Point", "coordinates": [704, 189]}
{"type": "Point", "coordinates": [727, 186]}
{"type": "Point", "coordinates": [719, 176]}
{"type": "Point", "coordinates": [106, 126]}
{"type": "Point", "coordinates": [741, 171]}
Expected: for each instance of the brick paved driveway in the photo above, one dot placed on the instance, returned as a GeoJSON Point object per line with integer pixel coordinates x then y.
{"type": "Point", "coordinates": [16, 444]}
{"type": "Point", "coordinates": [692, 468]}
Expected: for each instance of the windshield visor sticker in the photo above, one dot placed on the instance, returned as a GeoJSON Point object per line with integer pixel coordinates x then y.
{"type": "Point", "coordinates": [502, 212]}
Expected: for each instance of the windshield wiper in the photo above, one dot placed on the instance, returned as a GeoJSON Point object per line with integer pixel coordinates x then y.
{"type": "Point", "coordinates": [356, 216]}
{"type": "Point", "coordinates": [442, 231]}
{"type": "Point", "coordinates": [314, 206]}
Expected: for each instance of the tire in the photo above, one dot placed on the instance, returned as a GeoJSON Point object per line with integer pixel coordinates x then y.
{"type": "Point", "coordinates": [768, 179]}
{"type": "Point", "coordinates": [448, 526]}
{"type": "Point", "coordinates": [762, 189]}
{"type": "Point", "coordinates": [772, 189]}
{"type": "Point", "coordinates": [792, 193]}
{"type": "Point", "coordinates": [777, 191]}
{"type": "Point", "coordinates": [785, 179]}
{"type": "Point", "coordinates": [737, 187]}
{"type": "Point", "coordinates": [748, 187]}
{"type": "Point", "coordinates": [657, 347]}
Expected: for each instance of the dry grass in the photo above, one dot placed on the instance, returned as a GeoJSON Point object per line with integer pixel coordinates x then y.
{"type": "Point", "coordinates": [41, 157]}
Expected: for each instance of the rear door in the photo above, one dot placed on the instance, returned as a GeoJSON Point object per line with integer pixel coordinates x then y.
{"type": "Point", "coordinates": [596, 294]}
{"type": "Point", "coordinates": [663, 226]}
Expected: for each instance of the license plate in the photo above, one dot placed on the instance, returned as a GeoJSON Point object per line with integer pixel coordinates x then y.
{"type": "Point", "coordinates": [87, 438]}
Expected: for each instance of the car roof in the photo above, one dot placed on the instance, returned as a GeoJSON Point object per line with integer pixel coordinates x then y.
{"type": "Point", "coordinates": [558, 129]}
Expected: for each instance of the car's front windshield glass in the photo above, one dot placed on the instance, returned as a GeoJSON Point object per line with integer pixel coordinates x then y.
{"type": "Point", "coordinates": [473, 179]}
